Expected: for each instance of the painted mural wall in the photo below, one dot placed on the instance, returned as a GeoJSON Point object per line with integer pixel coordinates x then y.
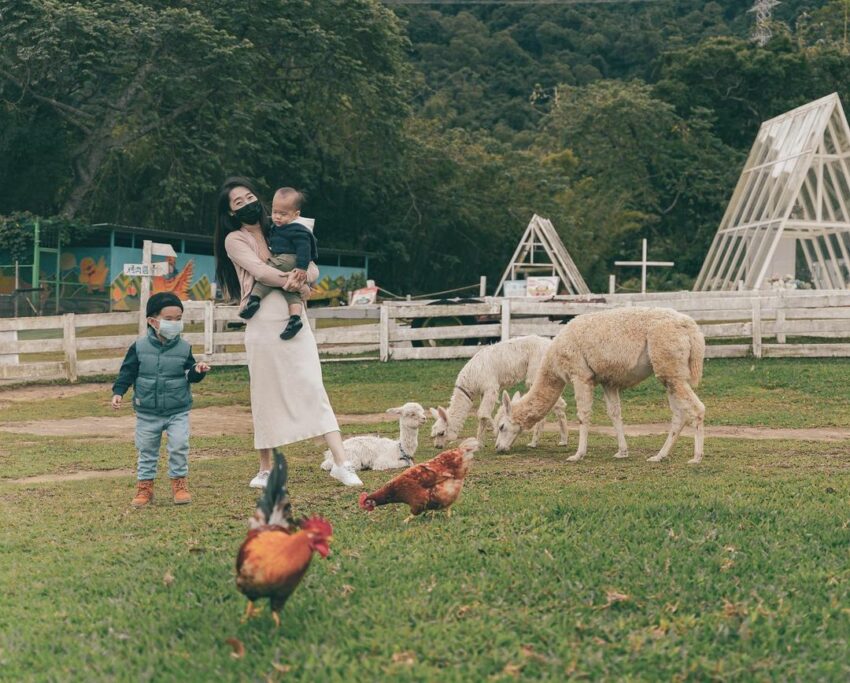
{"type": "Point", "coordinates": [92, 280]}
{"type": "Point", "coordinates": [191, 277]}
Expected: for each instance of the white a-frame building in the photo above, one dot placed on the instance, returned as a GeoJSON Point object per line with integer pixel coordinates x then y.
{"type": "Point", "coordinates": [541, 251]}
{"type": "Point", "coordinates": [794, 190]}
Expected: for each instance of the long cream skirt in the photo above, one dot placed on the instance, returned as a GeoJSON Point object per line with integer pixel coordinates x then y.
{"type": "Point", "coordinates": [288, 399]}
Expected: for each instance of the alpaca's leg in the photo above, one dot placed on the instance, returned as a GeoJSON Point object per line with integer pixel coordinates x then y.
{"type": "Point", "coordinates": [485, 414]}
{"type": "Point", "coordinates": [535, 434]}
{"type": "Point", "coordinates": [561, 414]}
{"type": "Point", "coordinates": [328, 462]}
{"type": "Point", "coordinates": [678, 421]}
{"type": "Point", "coordinates": [612, 403]}
{"type": "Point", "coordinates": [696, 413]}
{"type": "Point", "coordinates": [584, 405]}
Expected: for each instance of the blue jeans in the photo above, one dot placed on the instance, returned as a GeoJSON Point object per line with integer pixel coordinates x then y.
{"type": "Point", "coordinates": [149, 429]}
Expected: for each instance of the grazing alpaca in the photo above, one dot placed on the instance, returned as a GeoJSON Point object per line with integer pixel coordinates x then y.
{"type": "Point", "coordinates": [488, 372]}
{"type": "Point", "coordinates": [380, 453]}
{"type": "Point", "coordinates": [617, 349]}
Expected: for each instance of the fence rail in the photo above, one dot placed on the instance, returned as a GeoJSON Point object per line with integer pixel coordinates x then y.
{"type": "Point", "coordinates": [736, 324]}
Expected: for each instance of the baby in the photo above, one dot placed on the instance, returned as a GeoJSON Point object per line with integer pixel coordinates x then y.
{"type": "Point", "coordinates": [293, 247]}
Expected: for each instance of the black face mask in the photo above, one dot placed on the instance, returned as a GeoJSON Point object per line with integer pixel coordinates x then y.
{"type": "Point", "coordinates": [250, 213]}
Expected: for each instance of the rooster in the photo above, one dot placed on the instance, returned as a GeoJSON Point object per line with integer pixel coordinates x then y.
{"type": "Point", "coordinates": [277, 551]}
{"type": "Point", "coordinates": [433, 485]}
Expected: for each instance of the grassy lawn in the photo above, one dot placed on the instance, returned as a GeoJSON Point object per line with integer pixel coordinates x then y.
{"type": "Point", "coordinates": [733, 570]}
{"type": "Point", "coordinates": [792, 393]}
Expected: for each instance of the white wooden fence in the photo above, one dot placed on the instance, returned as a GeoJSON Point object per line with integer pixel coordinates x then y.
{"type": "Point", "coordinates": [766, 324]}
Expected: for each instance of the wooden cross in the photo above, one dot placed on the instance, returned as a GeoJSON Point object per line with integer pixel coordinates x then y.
{"type": "Point", "coordinates": [643, 263]}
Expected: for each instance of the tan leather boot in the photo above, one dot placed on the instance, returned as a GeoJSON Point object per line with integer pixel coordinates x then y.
{"type": "Point", "coordinates": [180, 489]}
{"type": "Point", "coordinates": [144, 493]}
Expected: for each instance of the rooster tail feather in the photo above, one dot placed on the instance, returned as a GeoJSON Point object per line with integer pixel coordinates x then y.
{"type": "Point", "coordinates": [274, 506]}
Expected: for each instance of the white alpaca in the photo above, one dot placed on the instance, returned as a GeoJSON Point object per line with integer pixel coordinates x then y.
{"type": "Point", "coordinates": [380, 453]}
{"type": "Point", "coordinates": [488, 372]}
{"type": "Point", "coordinates": [617, 349]}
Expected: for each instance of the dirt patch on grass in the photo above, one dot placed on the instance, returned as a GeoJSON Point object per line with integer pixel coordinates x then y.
{"type": "Point", "coordinates": [729, 432]}
{"type": "Point", "coordinates": [213, 421]}
{"type": "Point", "coordinates": [236, 420]}
{"type": "Point", "coordinates": [39, 392]}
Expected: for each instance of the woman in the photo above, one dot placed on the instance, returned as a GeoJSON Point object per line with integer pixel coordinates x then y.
{"type": "Point", "coordinates": [288, 399]}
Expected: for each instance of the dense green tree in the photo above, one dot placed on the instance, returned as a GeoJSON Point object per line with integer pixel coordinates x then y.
{"type": "Point", "coordinates": [148, 105]}
{"type": "Point", "coordinates": [487, 60]}
{"type": "Point", "coordinates": [744, 84]}
{"type": "Point", "coordinates": [465, 201]}
{"type": "Point", "coordinates": [641, 171]}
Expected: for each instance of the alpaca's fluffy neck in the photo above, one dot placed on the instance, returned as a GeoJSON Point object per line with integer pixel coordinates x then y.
{"type": "Point", "coordinates": [459, 407]}
{"type": "Point", "coordinates": [537, 403]}
{"type": "Point", "coordinates": [408, 438]}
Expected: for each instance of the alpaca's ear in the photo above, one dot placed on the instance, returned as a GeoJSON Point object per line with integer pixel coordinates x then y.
{"type": "Point", "coordinates": [517, 396]}
{"type": "Point", "coordinates": [434, 413]}
{"type": "Point", "coordinates": [442, 413]}
{"type": "Point", "coordinates": [506, 402]}
{"type": "Point", "coordinates": [394, 411]}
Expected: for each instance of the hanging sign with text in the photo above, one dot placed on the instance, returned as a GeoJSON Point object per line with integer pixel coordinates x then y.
{"type": "Point", "coordinates": [159, 268]}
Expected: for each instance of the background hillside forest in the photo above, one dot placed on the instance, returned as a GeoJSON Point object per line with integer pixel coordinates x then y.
{"type": "Point", "coordinates": [426, 133]}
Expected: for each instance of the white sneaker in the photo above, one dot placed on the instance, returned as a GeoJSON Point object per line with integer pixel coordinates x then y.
{"type": "Point", "coordinates": [345, 473]}
{"type": "Point", "coordinates": [260, 481]}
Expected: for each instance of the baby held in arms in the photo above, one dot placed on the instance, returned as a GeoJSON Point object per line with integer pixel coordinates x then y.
{"type": "Point", "coordinates": [293, 247]}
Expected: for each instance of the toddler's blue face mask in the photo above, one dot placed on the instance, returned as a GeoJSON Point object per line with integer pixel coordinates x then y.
{"type": "Point", "coordinates": [169, 329]}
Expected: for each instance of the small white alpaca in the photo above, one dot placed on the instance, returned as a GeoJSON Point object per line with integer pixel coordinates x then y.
{"type": "Point", "coordinates": [380, 453]}
{"type": "Point", "coordinates": [618, 349]}
{"type": "Point", "coordinates": [488, 372]}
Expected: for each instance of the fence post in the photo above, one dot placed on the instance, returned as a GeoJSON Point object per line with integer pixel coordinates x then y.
{"type": "Point", "coordinates": [482, 286]}
{"type": "Point", "coordinates": [11, 358]}
{"type": "Point", "coordinates": [506, 319]}
{"type": "Point", "coordinates": [69, 344]}
{"type": "Point", "coordinates": [384, 334]}
{"type": "Point", "coordinates": [209, 328]}
{"type": "Point", "coordinates": [757, 327]}
{"type": "Point", "coordinates": [780, 320]}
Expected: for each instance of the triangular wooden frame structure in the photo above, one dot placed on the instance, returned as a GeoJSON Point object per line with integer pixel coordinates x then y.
{"type": "Point", "coordinates": [794, 190]}
{"type": "Point", "coordinates": [540, 233]}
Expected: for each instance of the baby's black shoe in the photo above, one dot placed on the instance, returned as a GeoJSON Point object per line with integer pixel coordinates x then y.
{"type": "Point", "coordinates": [251, 307]}
{"type": "Point", "coordinates": [292, 327]}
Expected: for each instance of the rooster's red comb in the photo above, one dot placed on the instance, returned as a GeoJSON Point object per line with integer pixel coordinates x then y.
{"type": "Point", "coordinates": [318, 526]}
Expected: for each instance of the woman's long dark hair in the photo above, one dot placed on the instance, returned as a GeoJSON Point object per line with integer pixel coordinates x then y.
{"type": "Point", "coordinates": [225, 272]}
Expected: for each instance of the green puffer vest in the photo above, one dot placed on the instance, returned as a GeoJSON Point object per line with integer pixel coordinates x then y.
{"type": "Point", "coordinates": [161, 387]}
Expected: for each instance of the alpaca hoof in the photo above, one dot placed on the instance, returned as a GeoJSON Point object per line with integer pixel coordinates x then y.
{"type": "Point", "coordinates": [532, 445]}
{"type": "Point", "coordinates": [576, 457]}
{"type": "Point", "coordinates": [621, 454]}
{"type": "Point", "coordinates": [326, 465]}
{"type": "Point", "coordinates": [563, 442]}
{"type": "Point", "coordinates": [655, 458]}
{"type": "Point", "coordinates": [695, 460]}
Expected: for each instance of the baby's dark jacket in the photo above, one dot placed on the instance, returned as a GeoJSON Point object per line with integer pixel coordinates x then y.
{"type": "Point", "coordinates": [294, 238]}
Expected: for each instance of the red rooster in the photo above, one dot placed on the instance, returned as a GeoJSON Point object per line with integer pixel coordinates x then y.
{"type": "Point", "coordinates": [433, 485]}
{"type": "Point", "coordinates": [277, 552]}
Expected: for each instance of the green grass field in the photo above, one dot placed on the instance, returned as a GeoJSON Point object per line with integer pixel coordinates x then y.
{"type": "Point", "coordinates": [619, 570]}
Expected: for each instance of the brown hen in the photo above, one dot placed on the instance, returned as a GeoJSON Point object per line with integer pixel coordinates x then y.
{"type": "Point", "coordinates": [432, 485]}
